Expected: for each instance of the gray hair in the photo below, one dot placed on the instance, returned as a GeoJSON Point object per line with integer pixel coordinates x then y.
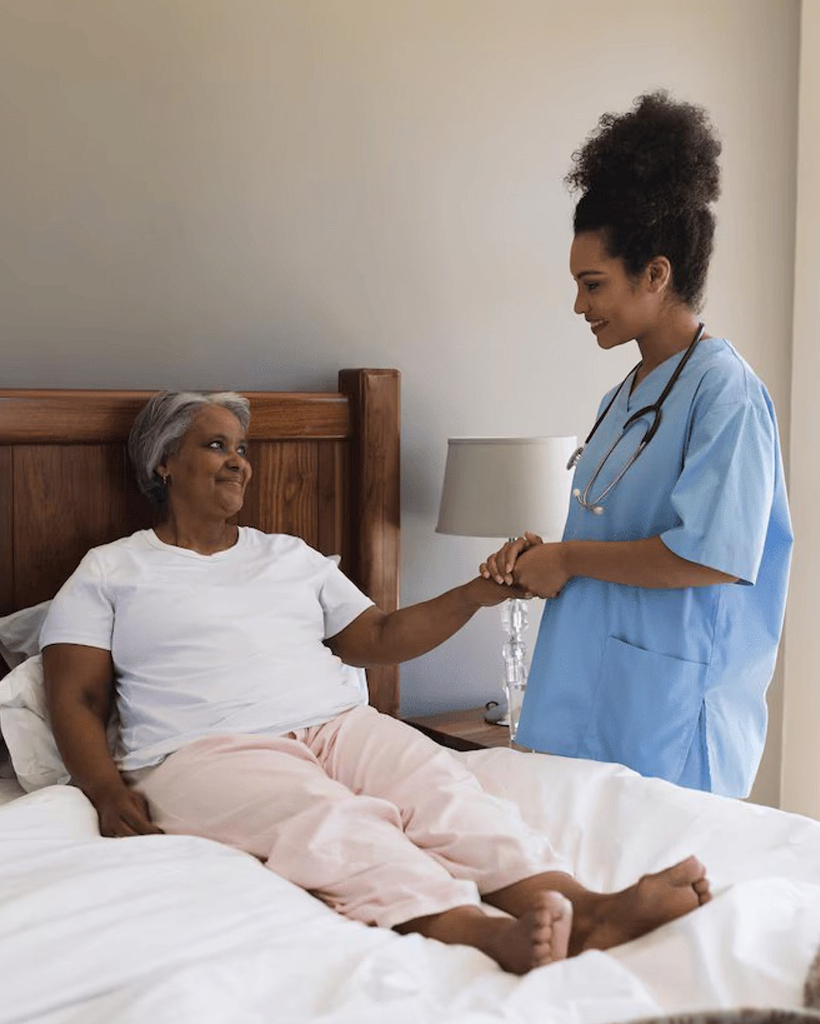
{"type": "Point", "coordinates": [161, 425]}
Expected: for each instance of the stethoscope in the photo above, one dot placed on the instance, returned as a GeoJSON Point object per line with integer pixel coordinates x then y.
{"type": "Point", "coordinates": [583, 497]}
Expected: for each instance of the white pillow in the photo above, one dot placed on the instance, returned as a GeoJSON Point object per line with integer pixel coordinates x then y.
{"type": "Point", "coordinates": [26, 730]}
{"type": "Point", "coordinates": [20, 633]}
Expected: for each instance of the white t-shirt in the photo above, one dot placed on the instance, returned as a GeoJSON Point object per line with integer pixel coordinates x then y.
{"type": "Point", "coordinates": [207, 645]}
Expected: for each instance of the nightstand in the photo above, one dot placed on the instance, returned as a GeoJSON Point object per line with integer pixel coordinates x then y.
{"type": "Point", "coordinates": [463, 730]}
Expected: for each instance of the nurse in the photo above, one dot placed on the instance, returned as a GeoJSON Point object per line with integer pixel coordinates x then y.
{"type": "Point", "coordinates": [668, 590]}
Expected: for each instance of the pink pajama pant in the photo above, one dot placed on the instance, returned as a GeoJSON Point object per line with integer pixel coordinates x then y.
{"type": "Point", "coordinates": [363, 811]}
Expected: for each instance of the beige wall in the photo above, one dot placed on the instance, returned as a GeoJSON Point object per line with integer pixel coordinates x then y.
{"type": "Point", "coordinates": [240, 193]}
{"type": "Point", "coordinates": [801, 749]}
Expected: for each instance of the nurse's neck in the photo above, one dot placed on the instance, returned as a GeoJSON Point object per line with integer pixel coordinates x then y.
{"type": "Point", "coordinates": [671, 333]}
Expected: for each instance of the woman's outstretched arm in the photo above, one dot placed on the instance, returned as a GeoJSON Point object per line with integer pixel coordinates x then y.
{"type": "Point", "coordinates": [382, 638]}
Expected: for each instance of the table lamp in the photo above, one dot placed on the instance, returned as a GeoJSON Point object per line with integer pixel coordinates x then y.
{"type": "Point", "coordinates": [499, 487]}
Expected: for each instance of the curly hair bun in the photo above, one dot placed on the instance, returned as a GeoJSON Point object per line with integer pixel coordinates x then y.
{"type": "Point", "coordinates": [648, 178]}
{"type": "Point", "coordinates": [661, 154]}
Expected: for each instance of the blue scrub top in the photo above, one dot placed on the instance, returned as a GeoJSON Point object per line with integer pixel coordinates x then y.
{"type": "Point", "coordinates": [672, 683]}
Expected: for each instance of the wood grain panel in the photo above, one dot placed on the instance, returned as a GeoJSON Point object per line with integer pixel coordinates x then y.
{"type": "Point", "coordinates": [282, 496]}
{"type": "Point", "coordinates": [298, 415]}
{"type": "Point", "coordinates": [67, 499]}
{"type": "Point", "coordinates": [45, 417]}
{"type": "Point", "coordinates": [332, 500]}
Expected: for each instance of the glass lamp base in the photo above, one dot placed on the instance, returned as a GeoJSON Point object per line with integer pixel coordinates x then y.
{"type": "Point", "coordinates": [515, 698]}
{"type": "Point", "coordinates": [514, 620]}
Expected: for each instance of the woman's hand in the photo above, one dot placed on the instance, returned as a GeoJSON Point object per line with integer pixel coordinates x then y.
{"type": "Point", "coordinates": [123, 812]}
{"type": "Point", "coordinates": [500, 565]}
{"type": "Point", "coordinates": [488, 593]}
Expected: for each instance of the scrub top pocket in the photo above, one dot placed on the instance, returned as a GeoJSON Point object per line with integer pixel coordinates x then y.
{"type": "Point", "coordinates": [646, 711]}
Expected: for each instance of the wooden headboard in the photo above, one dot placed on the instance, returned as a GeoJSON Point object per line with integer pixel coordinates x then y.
{"type": "Point", "coordinates": [326, 468]}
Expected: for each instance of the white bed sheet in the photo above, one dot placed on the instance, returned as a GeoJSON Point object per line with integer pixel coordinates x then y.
{"type": "Point", "coordinates": [178, 929]}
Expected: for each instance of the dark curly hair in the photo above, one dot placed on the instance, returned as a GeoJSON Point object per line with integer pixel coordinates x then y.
{"type": "Point", "coordinates": [647, 178]}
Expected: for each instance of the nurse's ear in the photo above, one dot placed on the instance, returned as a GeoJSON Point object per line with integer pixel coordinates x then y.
{"type": "Point", "coordinates": [659, 274]}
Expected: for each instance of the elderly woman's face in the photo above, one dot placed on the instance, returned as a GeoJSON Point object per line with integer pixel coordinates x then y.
{"type": "Point", "coordinates": [210, 471]}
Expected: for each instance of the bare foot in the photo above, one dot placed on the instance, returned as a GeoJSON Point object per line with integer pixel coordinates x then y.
{"type": "Point", "coordinates": [552, 928]}
{"type": "Point", "coordinates": [610, 919]}
{"type": "Point", "coordinates": [539, 937]}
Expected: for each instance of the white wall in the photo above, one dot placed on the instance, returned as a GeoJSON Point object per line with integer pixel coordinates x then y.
{"type": "Point", "coordinates": [240, 193]}
{"type": "Point", "coordinates": [801, 750]}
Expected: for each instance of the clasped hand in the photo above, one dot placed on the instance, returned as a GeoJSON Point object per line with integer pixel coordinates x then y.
{"type": "Point", "coordinates": [528, 564]}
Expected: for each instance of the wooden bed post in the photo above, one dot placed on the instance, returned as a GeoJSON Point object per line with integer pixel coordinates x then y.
{"type": "Point", "coordinates": [374, 503]}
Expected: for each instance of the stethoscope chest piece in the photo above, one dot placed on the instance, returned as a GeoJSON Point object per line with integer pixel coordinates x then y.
{"type": "Point", "coordinates": [575, 458]}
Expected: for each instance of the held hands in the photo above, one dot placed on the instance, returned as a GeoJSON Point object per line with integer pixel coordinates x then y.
{"type": "Point", "coordinates": [122, 812]}
{"type": "Point", "coordinates": [528, 565]}
{"type": "Point", "coordinates": [487, 593]}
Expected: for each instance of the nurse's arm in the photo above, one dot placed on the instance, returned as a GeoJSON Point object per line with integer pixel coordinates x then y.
{"type": "Point", "coordinates": [544, 569]}
{"type": "Point", "coordinates": [637, 563]}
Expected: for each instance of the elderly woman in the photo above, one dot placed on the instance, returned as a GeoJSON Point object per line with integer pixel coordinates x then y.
{"type": "Point", "coordinates": [224, 649]}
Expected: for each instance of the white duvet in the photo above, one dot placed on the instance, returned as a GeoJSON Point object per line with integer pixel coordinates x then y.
{"type": "Point", "coordinates": [162, 929]}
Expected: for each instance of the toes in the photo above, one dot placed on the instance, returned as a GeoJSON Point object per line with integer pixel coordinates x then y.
{"type": "Point", "coordinates": [551, 930]}
{"type": "Point", "coordinates": [702, 890]}
{"type": "Point", "coordinates": [542, 950]}
{"type": "Point", "coordinates": [685, 872]}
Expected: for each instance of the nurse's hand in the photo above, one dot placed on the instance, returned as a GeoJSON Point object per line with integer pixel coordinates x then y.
{"type": "Point", "coordinates": [500, 565]}
{"type": "Point", "coordinates": [541, 570]}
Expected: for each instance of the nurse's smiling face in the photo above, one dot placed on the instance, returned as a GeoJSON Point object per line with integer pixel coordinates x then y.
{"type": "Point", "coordinates": [617, 306]}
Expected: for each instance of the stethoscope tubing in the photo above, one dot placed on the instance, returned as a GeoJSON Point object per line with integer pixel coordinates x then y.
{"type": "Point", "coordinates": [595, 504]}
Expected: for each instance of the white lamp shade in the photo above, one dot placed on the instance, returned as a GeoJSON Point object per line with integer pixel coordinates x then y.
{"type": "Point", "coordinates": [501, 486]}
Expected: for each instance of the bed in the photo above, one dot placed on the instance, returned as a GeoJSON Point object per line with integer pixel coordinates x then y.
{"type": "Point", "coordinates": [178, 929]}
